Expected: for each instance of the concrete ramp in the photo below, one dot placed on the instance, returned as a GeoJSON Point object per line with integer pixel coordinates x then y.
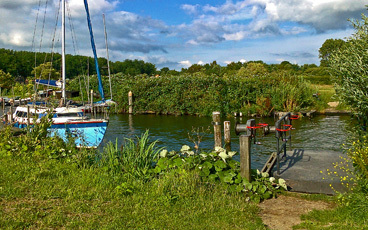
{"type": "Point", "coordinates": [302, 171]}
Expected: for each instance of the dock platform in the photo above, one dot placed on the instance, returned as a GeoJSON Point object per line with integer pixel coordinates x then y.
{"type": "Point", "coordinates": [302, 171]}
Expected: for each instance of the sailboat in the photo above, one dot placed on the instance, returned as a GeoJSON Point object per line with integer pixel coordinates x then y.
{"type": "Point", "coordinates": [67, 120]}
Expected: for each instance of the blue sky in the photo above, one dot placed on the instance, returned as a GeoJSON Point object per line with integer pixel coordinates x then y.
{"type": "Point", "coordinates": [177, 34]}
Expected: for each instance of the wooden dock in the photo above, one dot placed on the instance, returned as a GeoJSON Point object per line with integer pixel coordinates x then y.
{"type": "Point", "coordinates": [302, 171]}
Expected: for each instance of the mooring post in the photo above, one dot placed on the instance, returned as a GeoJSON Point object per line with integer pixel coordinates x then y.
{"type": "Point", "coordinates": [92, 108]}
{"type": "Point", "coordinates": [6, 118]}
{"type": "Point", "coordinates": [245, 159]}
{"type": "Point", "coordinates": [227, 135]}
{"type": "Point", "coordinates": [130, 102]}
{"type": "Point", "coordinates": [216, 121]}
{"type": "Point", "coordinates": [11, 114]}
{"type": "Point", "coordinates": [28, 117]}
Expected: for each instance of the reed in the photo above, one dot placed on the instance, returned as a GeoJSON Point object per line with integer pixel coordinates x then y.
{"type": "Point", "coordinates": [135, 157]}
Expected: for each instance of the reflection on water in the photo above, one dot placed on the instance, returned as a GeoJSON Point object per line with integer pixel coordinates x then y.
{"type": "Point", "coordinates": [318, 133]}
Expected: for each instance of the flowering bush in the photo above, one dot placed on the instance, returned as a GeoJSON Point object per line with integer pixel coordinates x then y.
{"type": "Point", "coordinates": [219, 166]}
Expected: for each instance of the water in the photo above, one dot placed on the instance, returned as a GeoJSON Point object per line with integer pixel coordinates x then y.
{"type": "Point", "coordinates": [318, 133]}
{"type": "Point", "coordinates": [171, 132]}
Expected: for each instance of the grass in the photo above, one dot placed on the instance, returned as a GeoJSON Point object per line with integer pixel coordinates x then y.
{"type": "Point", "coordinates": [341, 217]}
{"type": "Point", "coordinates": [55, 194]}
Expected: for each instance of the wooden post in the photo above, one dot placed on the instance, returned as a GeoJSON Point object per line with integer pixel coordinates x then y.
{"type": "Point", "coordinates": [227, 135]}
{"type": "Point", "coordinates": [245, 159]}
{"type": "Point", "coordinates": [28, 116]}
{"type": "Point", "coordinates": [6, 118]}
{"type": "Point", "coordinates": [216, 118]}
{"type": "Point", "coordinates": [92, 108]}
{"type": "Point", "coordinates": [130, 102]}
{"type": "Point", "coordinates": [11, 114]}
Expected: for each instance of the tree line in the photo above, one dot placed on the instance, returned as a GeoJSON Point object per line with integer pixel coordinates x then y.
{"type": "Point", "coordinates": [17, 66]}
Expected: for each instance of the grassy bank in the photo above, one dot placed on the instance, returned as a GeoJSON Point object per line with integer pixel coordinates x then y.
{"type": "Point", "coordinates": [54, 194]}
{"type": "Point", "coordinates": [45, 183]}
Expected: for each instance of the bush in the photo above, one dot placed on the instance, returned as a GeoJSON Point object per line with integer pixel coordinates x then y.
{"type": "Point", "coordinates": [199, 94]}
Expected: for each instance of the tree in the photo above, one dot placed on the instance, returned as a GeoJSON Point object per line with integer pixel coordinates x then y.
{"type": "Point", "coordinates": [350, 67]}
{"type": "Point", "coordinates": [6, 80]}
{"type": "Point", "coordinates": [46, 71]}
{"type": "Point", "coordinates": [253, 69]}
{"type": "Point", "coordinates": [329, 46]}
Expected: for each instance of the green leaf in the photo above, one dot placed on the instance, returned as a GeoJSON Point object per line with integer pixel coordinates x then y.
{"type": "Point", "coordinates": [248, 186]}
{"type": "Point", "coordinates": [178, 162]}
{"type": "Point", "coordinates": [219, 165]}
{"type": "Point", "coordinates": [212, 177]}
{"type": "Point", "coordinates": [204, 172]}
{"type": "Point", "coordinates": [157, 169]}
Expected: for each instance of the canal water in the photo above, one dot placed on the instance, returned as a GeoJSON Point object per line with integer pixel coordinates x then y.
{"type": "Point", "coordinates": [171, 132]}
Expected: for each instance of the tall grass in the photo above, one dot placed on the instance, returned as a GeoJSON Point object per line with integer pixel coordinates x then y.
{"type": "Point", "coordinates": [134, 157]}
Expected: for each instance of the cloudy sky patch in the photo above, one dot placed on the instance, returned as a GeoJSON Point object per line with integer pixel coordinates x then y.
{"type": "Point", "coordinates": [176, 34]}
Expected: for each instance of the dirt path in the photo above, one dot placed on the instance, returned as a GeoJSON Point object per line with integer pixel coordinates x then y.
{"type": "Point", "coordinates": [285, 211]}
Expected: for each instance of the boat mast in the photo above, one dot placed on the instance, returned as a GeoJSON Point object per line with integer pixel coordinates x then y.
{"type": "Point", "coordinates": [107, 55]}
{"type": "Point", "coordinates": [63, 95]}
{"type": "Point", "coordinates": [100, 88]}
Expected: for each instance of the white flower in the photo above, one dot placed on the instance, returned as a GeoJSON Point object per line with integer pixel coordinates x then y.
{"type": "Point", "coordinates": [282, 183]}
{"type": "Point", "coordinates": [163, 153]}
{"type": "Point", "coordinates": [190, 153]}
{"type": "Point", "coordinates": [219, 149]}
{"type": "Point", "coordinates": [231, 154]}
{"type": "Point", "coordinates": [185, 148]}
{"type": "Point", "coordinates": [258, 172]}
{"type": "Point", "coordinates": [272, 179]}
{"type": "Point", "coordinates": [265, 174]}
{"type": "Point", "coordinates": [203, 155]}
{"type": "Point", "coordinates": [223, 155]}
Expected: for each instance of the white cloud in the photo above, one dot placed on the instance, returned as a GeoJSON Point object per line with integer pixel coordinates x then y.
{"type": "Point", "coordinates": [236, 36]}
{"type": "Point", "coordinates": [191, 9]}
{"type": "Point", "coordinates": [185, 63]}
{"type": "Point", "coordinates": [320, 14]}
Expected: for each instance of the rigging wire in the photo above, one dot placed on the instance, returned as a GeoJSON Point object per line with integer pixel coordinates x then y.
{"type": "Point", "coordinates": [75, 46]}
{"type": "Point", "coordinates": [33, 39]}
{"type": "Point", "coordinates": [57, 13]}
{"type": "Point", "coordinates": [41, 40]}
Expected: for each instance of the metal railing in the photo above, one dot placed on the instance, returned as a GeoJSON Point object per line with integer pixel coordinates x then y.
{"type": "Point", "coordinates": [283, 129]}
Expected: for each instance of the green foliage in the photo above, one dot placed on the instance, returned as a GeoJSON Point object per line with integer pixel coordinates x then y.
{"type": "Point", "coordinates": [46, 71]}
{"type": "Point", "coordinates": [218, 167]}
{"type": "Point", "coordinates": [199, 94]}
{"type": "Point", "coordinates": [39, 191]}
{"type": "Point", "coordinates": [23, 90]}
{"type": "Point", "coordinates": [350, 68]}
{"type": "Point", "coordinates": [328, 47]}
{"type": "Point", "coordinates": [6, 80]}
{"type": "Point", "coordinates": [134, 158]}
{"type": "Point", "coordinates": [351, 216]}
{"type": "Point", "coordinates": [35, 143]}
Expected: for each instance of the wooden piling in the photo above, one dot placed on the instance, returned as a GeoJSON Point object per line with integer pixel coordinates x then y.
{"type": "Point", "coordinates": [11, 114]}
{"type": "Point", "coordinates": [216, 120]}
{"type": "Point", "coordinates": [245, 159]}
{"type": "Point", "coordinates": [28, 116]}
{"type": "Point", "coordinates": [130, 102]}
{"type": "Point", "coordinates": [92, 107]}
{"type": "Point", "coordinates": [6, 118]}
{"type": "Point", "coordinates": [227, 135]}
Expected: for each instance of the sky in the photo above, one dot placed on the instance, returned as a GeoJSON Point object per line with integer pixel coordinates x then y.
{"type": "Point", "coordinates": [178, 34]}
